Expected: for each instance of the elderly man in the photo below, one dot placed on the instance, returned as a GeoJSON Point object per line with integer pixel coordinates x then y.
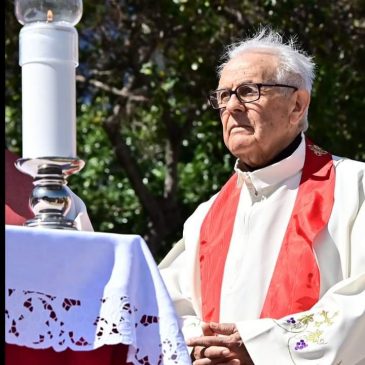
{"type": "Point", "coordinates": [271, 269]}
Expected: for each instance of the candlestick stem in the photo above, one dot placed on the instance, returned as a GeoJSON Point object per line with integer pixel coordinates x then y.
{"type": "Point", "coordinates": [50, 201]}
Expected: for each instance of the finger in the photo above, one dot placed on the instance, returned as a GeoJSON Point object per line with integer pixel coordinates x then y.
{"type": "Point", "coordinates": [207, 331]}
{"type": "Point", "coordinates": [207, 361]}
{"type": "Point", "coordinates": [223, 328]}
{"type": "Point", "coordinates": [206, 341]}
{"type": "Point", "coordinates": [216, 352]}
{"type": "Point", "coordinates": [199, 352]}
{"type": "Point", "coordinates": [230, 362]}
{"type": "Point", "coordinates": [212, 352]}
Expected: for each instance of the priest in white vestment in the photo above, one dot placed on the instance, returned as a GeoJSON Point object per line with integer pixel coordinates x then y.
{"type": "Point", "coordinates": [271, 269]}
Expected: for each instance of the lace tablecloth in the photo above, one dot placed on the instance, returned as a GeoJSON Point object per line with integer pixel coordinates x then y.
{"type": "Point", "coordinates": [82, 290]}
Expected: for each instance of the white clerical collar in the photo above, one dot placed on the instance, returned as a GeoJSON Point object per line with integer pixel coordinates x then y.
{"type": "Point", "coordinates": [276, 173]}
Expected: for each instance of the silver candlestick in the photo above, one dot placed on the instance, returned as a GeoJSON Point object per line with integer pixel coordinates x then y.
{"type": "Point", "coordinates": [50, 201]}
{"type": "Point", "coordinates": [48, 55]}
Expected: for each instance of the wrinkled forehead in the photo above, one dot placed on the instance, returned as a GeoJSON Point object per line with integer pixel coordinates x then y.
{"type": "Point", "coordinates": [253, 66]}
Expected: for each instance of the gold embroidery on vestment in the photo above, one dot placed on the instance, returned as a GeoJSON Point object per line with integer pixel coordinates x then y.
{"type": "Point", "coordinates": [318, 151]}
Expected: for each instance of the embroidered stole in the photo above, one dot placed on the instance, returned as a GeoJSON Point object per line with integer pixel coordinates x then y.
{"type": "Point", "coordinates": [295, 283]}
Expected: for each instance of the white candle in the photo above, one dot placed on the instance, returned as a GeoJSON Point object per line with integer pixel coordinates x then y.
{"type": "Point", "coordinates": [48, 55]}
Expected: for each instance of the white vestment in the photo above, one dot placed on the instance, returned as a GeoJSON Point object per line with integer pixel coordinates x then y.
{"type": "Point", "coordinates": [332, 331]}
{"type": "Point", "coordinates": [78, 212]}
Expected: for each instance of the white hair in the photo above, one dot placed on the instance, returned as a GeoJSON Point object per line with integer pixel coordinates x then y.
{"type": "Point", "coordinates": [295, 66]}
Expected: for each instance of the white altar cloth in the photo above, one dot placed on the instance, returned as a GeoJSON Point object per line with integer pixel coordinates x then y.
{"type": "Point", "coordinates": [83, 290]}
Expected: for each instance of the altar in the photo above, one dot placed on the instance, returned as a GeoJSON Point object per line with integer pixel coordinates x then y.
{"type": "Point", "coordinates": [86, 297]}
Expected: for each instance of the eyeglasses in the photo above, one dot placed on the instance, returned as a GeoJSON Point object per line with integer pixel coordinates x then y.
{"type": "Point", "coordinates": [245, 93]}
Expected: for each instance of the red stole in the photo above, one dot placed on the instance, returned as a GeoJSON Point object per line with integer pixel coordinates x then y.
{"type": "Point", "coordinates": [295, 283]}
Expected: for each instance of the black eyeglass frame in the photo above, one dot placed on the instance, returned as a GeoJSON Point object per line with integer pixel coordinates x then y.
{"type": "Point", "coordinates": [234, 92]}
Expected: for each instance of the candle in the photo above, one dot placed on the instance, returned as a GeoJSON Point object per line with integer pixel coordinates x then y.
{"type": "Point", "coordinates": [48, 55]}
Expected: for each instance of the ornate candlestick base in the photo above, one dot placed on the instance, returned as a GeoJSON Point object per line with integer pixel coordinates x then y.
{"type": "Point", "coordinates": [50, 200]}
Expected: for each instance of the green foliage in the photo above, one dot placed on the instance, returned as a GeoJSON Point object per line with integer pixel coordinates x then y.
{"type": "Point", "coordinates": [153, 149]}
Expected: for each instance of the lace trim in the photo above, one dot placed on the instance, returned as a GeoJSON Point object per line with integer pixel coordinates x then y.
{"type": "Point", "coordinates": [39, 320]}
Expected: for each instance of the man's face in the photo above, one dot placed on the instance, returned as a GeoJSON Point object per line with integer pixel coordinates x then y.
{"type": "Point", "coordinates": [256, 132]}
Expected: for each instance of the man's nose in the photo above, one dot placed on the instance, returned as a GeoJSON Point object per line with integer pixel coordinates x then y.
{"type": "Point", "coordinates": [234, 104]}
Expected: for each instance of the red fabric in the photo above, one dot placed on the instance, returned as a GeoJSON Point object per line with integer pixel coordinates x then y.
{"type": "Point", "coordinates": [105, 355]}
{"type": "Point", "coordinates": [294, 286]}
{"type": "Point", "coordinates": [215, 236]}
{"type": "Point", "coordinates": [18, 187]}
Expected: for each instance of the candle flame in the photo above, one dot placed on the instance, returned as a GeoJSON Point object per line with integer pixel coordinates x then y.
{"type": "Point", "coordinates": [49, 15]}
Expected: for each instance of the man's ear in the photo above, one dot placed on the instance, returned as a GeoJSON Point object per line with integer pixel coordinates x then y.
{"type": "Point", "coordinates": [299, 105]}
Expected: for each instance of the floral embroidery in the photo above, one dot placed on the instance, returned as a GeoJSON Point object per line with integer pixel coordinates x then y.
{"type": "Point", "coordinates": [300, 345]}
{"type": "Point", "coordinates": [326, 319]}
{"type": "Point", "coordinates": [307, 329]}
{"type": "Point", "coordinates": [317, 150]}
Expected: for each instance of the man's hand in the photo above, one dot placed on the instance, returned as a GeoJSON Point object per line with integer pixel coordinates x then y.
{"type": "Point", "coordinates": [227, 348]}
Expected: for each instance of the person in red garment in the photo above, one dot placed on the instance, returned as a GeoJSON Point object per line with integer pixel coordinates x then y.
{"type": "Point", "coordinates": [271, 269]}
{"type": "Point", "coordinates": [18, 187]}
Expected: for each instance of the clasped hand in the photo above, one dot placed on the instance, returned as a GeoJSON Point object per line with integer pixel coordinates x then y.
{"type": "Point", "coordinates": [220, 344]}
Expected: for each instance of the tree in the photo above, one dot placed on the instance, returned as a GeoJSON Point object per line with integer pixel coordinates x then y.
{"type": "Point", "coordinates": [153, 148]}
